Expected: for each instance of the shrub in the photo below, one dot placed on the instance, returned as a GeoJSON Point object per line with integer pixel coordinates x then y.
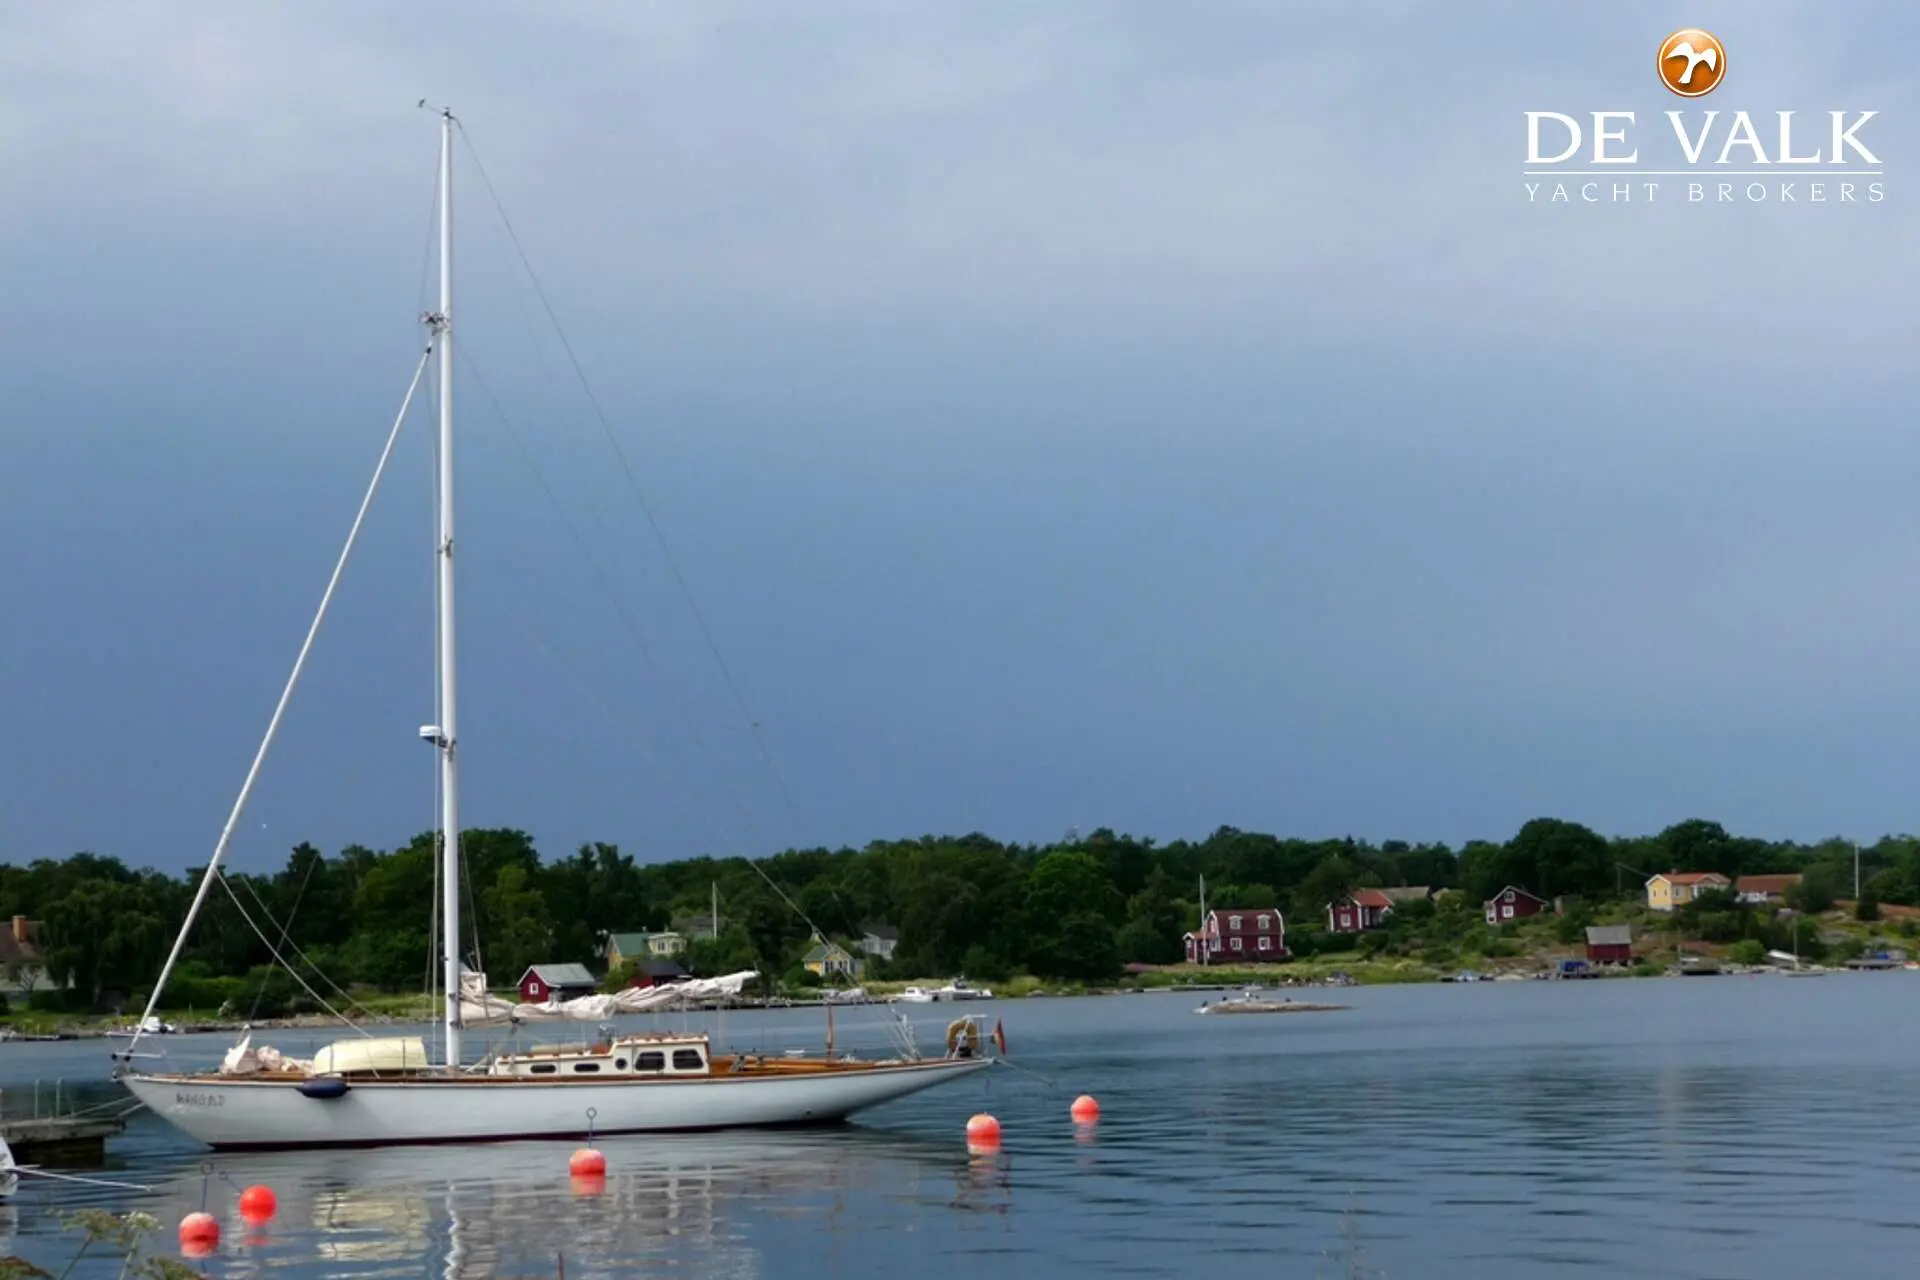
{"type": "Point", "coordinates": [1747, 951]}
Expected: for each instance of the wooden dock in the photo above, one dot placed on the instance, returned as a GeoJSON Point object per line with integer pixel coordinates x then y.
{"type": "Point", "coordinates": [57, 1134]}
{"type": "Point", "coordinates": [62, 1141]}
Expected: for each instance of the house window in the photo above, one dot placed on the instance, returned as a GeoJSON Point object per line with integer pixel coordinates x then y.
{"type": "Point", "coordinates": [1507, 912]}
{"type": "Point", "coordinates": [1509, 895]}
{"type": "Point", "coordinates": [1233, 922]}
{"type": "Point", "coordinates": [651, 1060]}
{"type": "Point", "coordinates": [534, 988]}
{"type": "Point", "coordinates": [1266, 944]}
{"type": "Point", "coordinates": [1236, 944]}
{"type": "Point", "coordinates": [1266, 922]}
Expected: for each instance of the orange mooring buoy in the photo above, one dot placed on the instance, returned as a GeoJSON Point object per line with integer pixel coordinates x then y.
{"type": "Point", "coordinates": [983, 1128]}
{"type": "Point", "coordinates": [587, 1162]}
{"type": "Point", "coordinates": [199, 1232]}
{"type": "Point", "coordinates": [258, 1203]}
{"type": "Point", "coordinates": [1085, 1109]}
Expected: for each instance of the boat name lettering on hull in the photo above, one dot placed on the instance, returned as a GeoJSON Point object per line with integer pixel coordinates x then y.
{"type": "Point", "coordinates": [184, 1099]}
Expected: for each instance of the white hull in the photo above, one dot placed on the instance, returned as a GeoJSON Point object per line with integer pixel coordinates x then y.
{"type": "Point", "coordinates": [236, 1113]}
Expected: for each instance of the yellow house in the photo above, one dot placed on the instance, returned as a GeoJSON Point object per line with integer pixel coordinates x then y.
{"type": "Point", "coordinates": [625, 948]}
{"type": "Point", "coordinates": [1678, 888]}
{"type": "Point", "coordinates": [831, 957]}
{"type": "Point", "coordinates": [662, 945]}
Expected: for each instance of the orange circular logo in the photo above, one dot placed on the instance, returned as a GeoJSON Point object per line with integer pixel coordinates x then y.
{"type": "Point", "coordinates": [1692, 62]}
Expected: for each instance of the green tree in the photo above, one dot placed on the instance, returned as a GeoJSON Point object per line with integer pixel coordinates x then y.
{"type": "Point", "coordinates": [1332, 878]}
{"type": "Point", "coordinates": [1154, 926]}
{"type": "Point", "coordinates": [105, 935]}
{"type": "Point", "coordinates": [1815, 892]}
{"type": "Point", "coordinates": [514, 927]}
{"type": "Point", "coordinates": [1550, 857]}
{"type": "Point", "coordinates": [1072, 910]}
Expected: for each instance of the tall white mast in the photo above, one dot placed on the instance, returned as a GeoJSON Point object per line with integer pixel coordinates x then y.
{"type": "Point", "coordinates": [448, 741]}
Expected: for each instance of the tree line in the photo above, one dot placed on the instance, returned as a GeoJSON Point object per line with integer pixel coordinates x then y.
{"type": "Point", "coordinates": [1078, 909]}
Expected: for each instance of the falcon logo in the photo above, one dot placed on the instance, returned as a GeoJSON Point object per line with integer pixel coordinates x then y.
{"type": "Point", "coordinates": [1692, 62]}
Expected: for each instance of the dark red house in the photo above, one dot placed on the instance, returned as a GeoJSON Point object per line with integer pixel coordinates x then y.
{"type": "Point", "coordinates": [1238, 935]}
{"type": "Point", "coordinates": [544, 982]}
{"type": "Point", "coordinates": [1610, 944]}
{"type": "Point", "coordinates": [1364, 909]}
{"type": "Point", "coordinates": [656, 973]}
{"type": "Point", "coordinates": [1514, 904]}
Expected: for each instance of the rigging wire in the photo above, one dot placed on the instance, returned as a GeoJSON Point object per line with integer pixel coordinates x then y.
{"type": "Point", "coordinates": [620, 607]}
{"type": "Point", "coordinates": [280, 708]}
{"type": "Point", "coordinates": [285, 929]}
{"type": "Point", "coordinates": [633, 740]}
{"type": "Point", "coordinates": [320, 973]}
{"type": "Point", "coordinates": [275, 951]}
{"type": "Point", "coordinates": [633, 484]}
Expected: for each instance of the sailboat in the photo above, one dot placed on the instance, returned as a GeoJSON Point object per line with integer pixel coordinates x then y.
{"type": "Point", "coordinates": [368, 1091]}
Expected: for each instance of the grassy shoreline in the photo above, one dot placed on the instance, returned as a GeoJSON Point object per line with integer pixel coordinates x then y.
{"type": "Point", "coordinates": [1527, 949]}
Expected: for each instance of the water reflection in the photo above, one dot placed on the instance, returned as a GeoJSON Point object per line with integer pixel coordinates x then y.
{"type": "Point", "coordinates": [513, 1209]}
{"type": "Point", "coordinates": [1685, 1130]}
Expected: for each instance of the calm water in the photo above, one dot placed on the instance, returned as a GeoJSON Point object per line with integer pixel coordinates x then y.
{"type": "Point", "coordinates": [1709, 1127]}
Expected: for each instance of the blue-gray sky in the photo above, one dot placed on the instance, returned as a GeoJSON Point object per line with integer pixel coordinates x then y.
{"type": "Point", "coordinates": [1129, 414]}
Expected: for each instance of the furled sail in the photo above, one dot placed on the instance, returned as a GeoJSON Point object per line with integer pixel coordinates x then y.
{"type": "Point", "coordinates": [478, 1007]}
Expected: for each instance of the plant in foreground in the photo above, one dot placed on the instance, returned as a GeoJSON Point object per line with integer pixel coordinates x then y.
{"type": "Point", "coordinates": [121, 1232]}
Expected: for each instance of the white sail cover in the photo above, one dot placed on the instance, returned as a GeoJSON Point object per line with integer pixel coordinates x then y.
{"type": "Point", "coordinates": [478, 1007]}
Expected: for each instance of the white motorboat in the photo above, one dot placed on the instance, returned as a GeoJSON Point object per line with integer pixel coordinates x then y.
{"type": "Point", "coordinates": [371, 1092]}
{"type": "Point", "coordinates": [149, 1026]}
{"type": "Point", "coordinates": [955, 990]}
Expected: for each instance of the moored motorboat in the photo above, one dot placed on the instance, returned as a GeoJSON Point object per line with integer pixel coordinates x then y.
{"type": "Point", "coordinates": [1250, 1001]}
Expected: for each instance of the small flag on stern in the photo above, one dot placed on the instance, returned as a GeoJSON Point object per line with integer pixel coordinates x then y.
{"type": "Point", "coordinates": [1000, 1037]}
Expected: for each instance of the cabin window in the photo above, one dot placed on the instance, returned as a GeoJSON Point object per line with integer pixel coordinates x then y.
{"type": "Point", "coordinates": [542, 1069]}
{"type": "Point", "coordinates": [619, 1064]}
{"type": "Point", "coordinates": [1233, 922]}
{"type": "Point", "coordinates": [585, 1068]}
{"type": "Point", "coordinates": [652, 1060]}
{"type": "Point", "coordinates": [687, 1060]}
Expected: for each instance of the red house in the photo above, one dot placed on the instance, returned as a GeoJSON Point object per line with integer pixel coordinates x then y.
{"type": "Point", "coordinates": [1369, 908]}
{"type": "Point", "coordinates": [544, 982]}
{"type": "Point", "coordinates": [1364, 909]}
{"type": "Point", "coordinates": [1610, 944]}
{"type": "Point", "coordinates": [1238, 935]}
{"type": "Point", "coordinates": [656, 973]}
{"type": "Point", "coordinates": [1513, 904]}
